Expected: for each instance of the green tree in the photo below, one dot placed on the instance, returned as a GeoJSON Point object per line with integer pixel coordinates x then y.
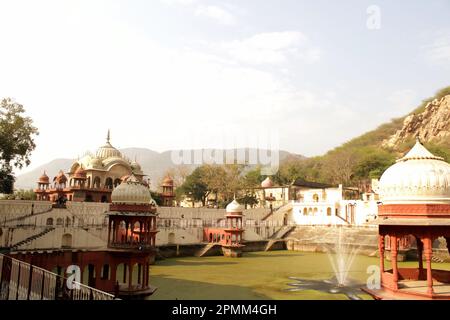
{"type": "Point", "coordinates": [16, 141]}
{"type": "Point", "coordinates": [195, 187]}
{"type": "Point", "coordinates": [373, 163]}
{"type": "Point", "coordinates": [248, 200]}
{"type": "Point", "coordinates": [157, 197]}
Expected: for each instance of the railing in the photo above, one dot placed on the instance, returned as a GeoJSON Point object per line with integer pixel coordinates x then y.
{"type": "Point", "coordinates": [22, 281]}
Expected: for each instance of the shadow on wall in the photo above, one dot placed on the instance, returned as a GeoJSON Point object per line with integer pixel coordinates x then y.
{"type": "Point", "coordinates": [177, 289]}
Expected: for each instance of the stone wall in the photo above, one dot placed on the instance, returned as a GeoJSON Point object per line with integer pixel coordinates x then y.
{"type": "Point", "coordinates": [190, 250]}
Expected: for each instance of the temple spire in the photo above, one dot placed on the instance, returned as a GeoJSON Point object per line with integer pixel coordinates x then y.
{"type": "Point", "coordinates": [108, 136]}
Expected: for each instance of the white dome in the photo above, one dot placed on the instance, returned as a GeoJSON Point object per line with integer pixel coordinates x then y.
{"type": "Point", "coordinates": [107, 151]}
{"type": "Point", "coordinates": [136, 168]}
{"type": "Point", "coordinates": [132, 191]}
{"type": "Point", "coordinates": [234, 207]}
{"type": "Point", "coordinates": [267, 183]}
{"type": "Point", "coordinates": [418, 177]}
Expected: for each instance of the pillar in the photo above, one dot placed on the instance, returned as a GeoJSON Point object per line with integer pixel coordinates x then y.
{"type": "Point", "coordinates": [109, 231]}
{"type": "Point", "coordinates": [428, 252]}
{"type": "Point", "coordinates": [139, 274]}
{"type": "Point", "coordinates": [394, 254]}
{"type": "Point", "coordinates": [130, 275]}
{"type": "Point", "coordinates": [381, 251]}
{"type": "Point", "coordinates": [447, 239]}
{"type": "Point", "coordinates": [419, 245]}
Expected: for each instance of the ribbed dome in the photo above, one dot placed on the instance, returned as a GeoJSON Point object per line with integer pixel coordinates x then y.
{"type": "Point", "coordinates": [419, 176]}
{"type": "Point", "coordinates": [267, 183]}
{"type": "Point", "coordinates": [131, 191]}
{"type": "Point", "coordinates": [60, 178]}
{"type": "Point", "coordinates": [44, 178]}
{"type": "Point", "coordinates": [108, 151]}
{"type": "Point", "coordinates": [167, 182]}
{"type": "Point", "coordinates": [235, 207]}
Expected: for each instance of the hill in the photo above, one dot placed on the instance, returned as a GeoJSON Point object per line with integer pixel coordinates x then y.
{"type": "Point", "coordinates": [367, 156]}
{"type": "Point", "coordinates": [154, 164]}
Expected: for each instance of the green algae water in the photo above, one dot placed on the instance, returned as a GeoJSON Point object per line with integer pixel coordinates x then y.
{"type": "Point", "coordinates": [257, 275]}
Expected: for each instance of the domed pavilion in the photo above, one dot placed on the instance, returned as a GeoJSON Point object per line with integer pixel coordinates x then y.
{"type": "Point", "coordinates": [91, 178]}
{"type": "Point", "coordinates": [132, 229]}
{"type": "Point", "coordinates": [415, 202]}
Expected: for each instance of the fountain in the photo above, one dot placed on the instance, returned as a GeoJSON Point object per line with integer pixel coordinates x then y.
{"type": "Point", "coordinates": [341, 255]}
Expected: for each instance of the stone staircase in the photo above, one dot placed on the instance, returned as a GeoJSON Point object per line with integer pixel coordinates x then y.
{"type": "Point", "coordinates": [22, 218]}
{"type": "Point", "coordinates": [279, 236]}
{"type": "Point", "coordinates": [31, 238]}
{"type": "Point", "coordinates": [206, 249]}
{"type": "Point", "coordinates": [278, 214]}
{"type": "Point", "coordinates": [282, 232]}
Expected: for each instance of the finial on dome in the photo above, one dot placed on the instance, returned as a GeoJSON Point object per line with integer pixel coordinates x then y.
{"type": "Point", "coordinates": [108, 136]}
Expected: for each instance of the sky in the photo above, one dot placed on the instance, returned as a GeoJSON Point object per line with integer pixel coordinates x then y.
{"type": "Point", "coordinates": [180, 74]}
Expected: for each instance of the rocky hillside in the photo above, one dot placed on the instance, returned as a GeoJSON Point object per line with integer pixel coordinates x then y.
{"type": "Point", "coordinates": [366, 157]}
{"type": "Point", "coordinates": [431, 125]}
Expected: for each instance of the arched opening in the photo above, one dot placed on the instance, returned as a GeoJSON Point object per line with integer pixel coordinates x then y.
{"type": "Point", "coordinates": [137, 273]}
{"type": "Point", "coordinates": [66, 241]}
{"type": "Point", "coordinates": [117, 182]}
{"type": "Point", "coordinates": [329, 212]}
{"type": "Point", "coordinates": [305, 211]}
{"type": "Point", "coordinates": [49, 221]}
{"type": "Point", "coordinates": [171, 238]}
{"type": "Point", "coordinates": [210, 237]}
{"type": "Point", "coordinates": [104, 199]}
{"type": "Point", "coordinates": [89, 275]}
{"type": "Point", "coordinates": [96, 183]}
{"type": "Point", "coordinates": [121, 274]}
{"type": "Point", "coordinates": [136, 232]}
{"type": "Point", "coordinates": [310, 211]}
{"type": "Point", "coordinates": [59, 221]}
{"type": "Point", "coordinates": [88, 198]}
{"type": "Point", "coordinates": [316, 197]}
{"type": "Point", "coordinates": [105, 275]}
{"type": "Point", "coordinates": [315, 211]}
{"type": "Point", "coordinates": [109, 183]}
{"type": "Point", "coordinates": [122, 232]}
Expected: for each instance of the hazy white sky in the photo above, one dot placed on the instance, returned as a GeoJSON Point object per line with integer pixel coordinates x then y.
{"type": "Point", "coordinates": [167, 74]}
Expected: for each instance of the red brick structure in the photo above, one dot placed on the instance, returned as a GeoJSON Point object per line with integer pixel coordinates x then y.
{"type": "Point", "coordinates": [168, 193]}
{"type": "Point", "coordinates": [229, 237]}
{"type": "Point", "coordinates": [122, 268]}
{"type": "Point", "coordinates": [415, 194]}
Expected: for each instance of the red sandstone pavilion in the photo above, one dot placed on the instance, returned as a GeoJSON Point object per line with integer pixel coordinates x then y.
{"type": "Point", "coordinates": [229, 237]}
{"type": "Point", "coordinates": [122, 267]}
{"type": "Point", "coordinates": [415, 194]}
